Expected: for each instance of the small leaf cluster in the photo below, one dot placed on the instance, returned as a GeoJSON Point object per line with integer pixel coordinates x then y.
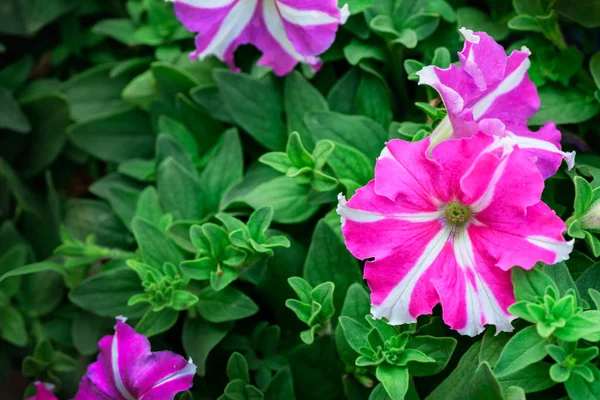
{"type": "Point", "coordinates": [395, 354]}
{"type": "Point", "coordinates": [46, 363]}
{"type": "Point", "coordinates": [314, 307]}
{"type": "Point", "coordinates": [222, 252]}
{"type": "Point", "coordinates": [553, 314]}
{"type": "Point", "coordinates": [303, 166]}
{"type": "Point", "coordinates": [572, 360]}
{"type": "Point", "coordinates": [585, 221]}
{"type": "Point", "coordinates": [162, 288]}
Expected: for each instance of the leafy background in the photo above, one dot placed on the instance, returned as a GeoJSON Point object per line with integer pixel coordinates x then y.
{"type": "Point", "coordinates": [115, 147]}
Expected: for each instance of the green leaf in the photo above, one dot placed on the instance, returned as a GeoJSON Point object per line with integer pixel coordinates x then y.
{"type": "Point", "coordinates": [349, 163]}
{"type": "Point", "coordinates": [355, 333]}
{"type": "Point", "coordinates": [259, 116]}
{"type": "Point", "coordinates": [595, 68]}
{"type": "Point", "coordinates": [12, 326]}
{"type": "Point", "coordinates": [180, 191]}
{"type": "Point", "coordinates": [223, 171]}
{"type": "Point", "coordinates": [354, 131]}
{"type": "Point", "coordinates": [155, 245]}
{"type": "Point", "coordinates": [492, 345]}
{"type": "Point", "coordinates": [237, 368]}
{"type": "Point", "coordinates": [529, 285]}
{"type": "Point", "coordinates": [34, 268]}
{"type": "Point", "coordinates": [122, 30]}
{"type": "Point", "coordinates": [439, 349]}
{"type": "Point", "coordinates": [564, 106]}
{"type": "Point", "coordinates": [107, 293]}
{"type": "Point", "coordinates": [281, 387]}
{"type": "Point", "coordinates": [200, 337]}
{"type": "Point", "coordinates": [590, 279]}
{"type": "Point", "coordinates": [484, 384]}
{"type": "Point", "coordinates": [287, 197]}
{"type": "Point", "coordinates": [93, 93]}
{"type": "Point", "coordinates": [153, 323]}
{"type": "Point", "coordinates": [583, 196]}
{"type": "Point", "coordinates": [115, 137]}
{"type": "Point", "coordinates": [534, 378]}
{"type": "Point", "coordinates": [48, 114]}
{"type": "Point", "coordinates": [580, 389]}
{"type": "Point", "coordinates": [457, 383]}
{"type": "Point", "coordinates": [478, 20]}
{"type": "Point", "coordinates": [25, 19]}
{"type": "Point", "coordinates": [11, 116]}
{"type": "Point", "coordinates": [228, 304]}
{"type": "Point", "coordinates": [329, 261]}
{"type": "Point", "coordinates": [171, 80]}
{"type": "Point", "coordinates": [86, 331]}
{"type": "Point", "coordinates": [586, 12]}
{"type": "Point", "coordinates": [394, 379]}
{"type": "Point", "coordinates": [522, 350]}
{"type": "Point", "coordinates": [356, 51]}
{"type": "Point", "coordinates": [300, 97]}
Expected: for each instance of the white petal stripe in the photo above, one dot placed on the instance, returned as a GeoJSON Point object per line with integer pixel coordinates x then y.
{"type": "Point", "coordinates": [561, 249]}
{"type": "Point", "coordinates": [232, 26]}
{"type": "Point", "coordinates": [277, 29]}
{"type": "Point", "coordinates": [486, 199]}
{"type": "Point", "coordinates": [206, 3]}
{"type": "Point", "coordinates": [189, 369]}
{"type": "Point", "coordinates": [365, 216]}
{"type": "Point", "coordinates": [305, 17]}
{"type": "Point", "coordinates": [395, 306]}
{"type": "Point", "coordinates": [509, 83]}
{"type": "Point", "coordinates": [531, 143]}
{"type": "Point", "coordinates": [479, 300]}
{"type": "Point", "coordinates": [114, 350]}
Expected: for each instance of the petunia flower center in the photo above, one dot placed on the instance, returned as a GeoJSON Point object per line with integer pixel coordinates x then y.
{"type": "Point", "coordinates": [457, 213]}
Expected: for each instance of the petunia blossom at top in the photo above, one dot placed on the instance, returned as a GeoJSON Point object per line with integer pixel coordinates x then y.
{"type": "Point", "coordinates": [286, 31]}
{"type": "Point", "coordinates": [126, 369]}
{"type": "Point", "coordinates": [491, 93]}
{"type": "Point", "coordinates": [448, 228]}
{"type": "Point", "coordinates": [43, 391]}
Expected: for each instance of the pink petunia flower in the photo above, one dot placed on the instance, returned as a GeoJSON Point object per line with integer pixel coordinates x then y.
{"type": "Point", "coordinates": [286, 31]}
{"type": "Point", "coordinates": [448, 228]}
{"type": "Point", "coordinates": [44, 391]}
{"type": "Point", "coordinates": [491, 93]}
{"type": "Point", "coordinates": [126, 369]}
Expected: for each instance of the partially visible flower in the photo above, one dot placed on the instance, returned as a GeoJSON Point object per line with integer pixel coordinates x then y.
{"type": "Point", "coordinates": [491, 93]}
{"type": "Point", "coordinates": [126, 369]}
{"type": "Point", "coordinates": [286, 31]}
{"type": "Point", "coordinates": [44, 391]}
{"type": "Point", "coordinates": [448, 228]}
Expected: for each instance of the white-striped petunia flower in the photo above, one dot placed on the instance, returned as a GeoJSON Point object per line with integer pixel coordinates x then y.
{"type": "Point", "coordinates": [126, 369]}
{"type": "Point", "coordinates": [491, 92]}
{"type": "Point", "coordinates": [447, 227]}
{"type": "Point", "coordinates": [287, 32]}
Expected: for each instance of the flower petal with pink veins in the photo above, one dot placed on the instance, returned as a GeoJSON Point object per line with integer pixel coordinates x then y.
{"type": "Point", "coordinates": [491, 92]}
{"type": "Point", "coordinates": [286, 31]}
{"type": "Point", "coordinates": [127, 370]}
{"type": "Point", "coordinates": [418, 254]}
{"type": "Point", "coordinates": [43, 391]}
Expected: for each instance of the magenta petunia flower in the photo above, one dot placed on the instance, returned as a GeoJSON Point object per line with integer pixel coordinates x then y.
{"type": "Point", "coordinates": [126, 369]}
{"type": "Point", "coordinates": [491, 93]}
{"type": "Point", "coordinates": [448, 228]}
{"type": "Point", "coordinates": [286, 31]}
{"type": "Point", "coordinates": [44, 391]}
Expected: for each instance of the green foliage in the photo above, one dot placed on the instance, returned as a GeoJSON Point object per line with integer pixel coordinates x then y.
{"type": "Point", "coordinates": [196, 201]}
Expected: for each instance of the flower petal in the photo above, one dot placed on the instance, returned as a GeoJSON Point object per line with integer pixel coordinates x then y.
{"type": "Point", "coordinates": [127, 370]}
{"type": "Point", "coordinates": [43, 391]}
{"type": "Point", "coordinates": [473, 292]}
{"type": "Point", "coordinates": [515, 238]}
{"type": "Point", "coordinates": [286, 31]}
{"type": "Point", "coordinates": [492, 93]}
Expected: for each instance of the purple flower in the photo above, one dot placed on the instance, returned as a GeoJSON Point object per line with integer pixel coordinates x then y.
{"type": "Point", "coordinates": [448, 228]}
{"type": "Point", "coordinates": [491, 93]}
{"type": "Point", "coordinates": [43, 391]}
{"type": "Point", "coordinates": [286, 31]}
{"type": "Point", "coordinates": [126, 369]}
